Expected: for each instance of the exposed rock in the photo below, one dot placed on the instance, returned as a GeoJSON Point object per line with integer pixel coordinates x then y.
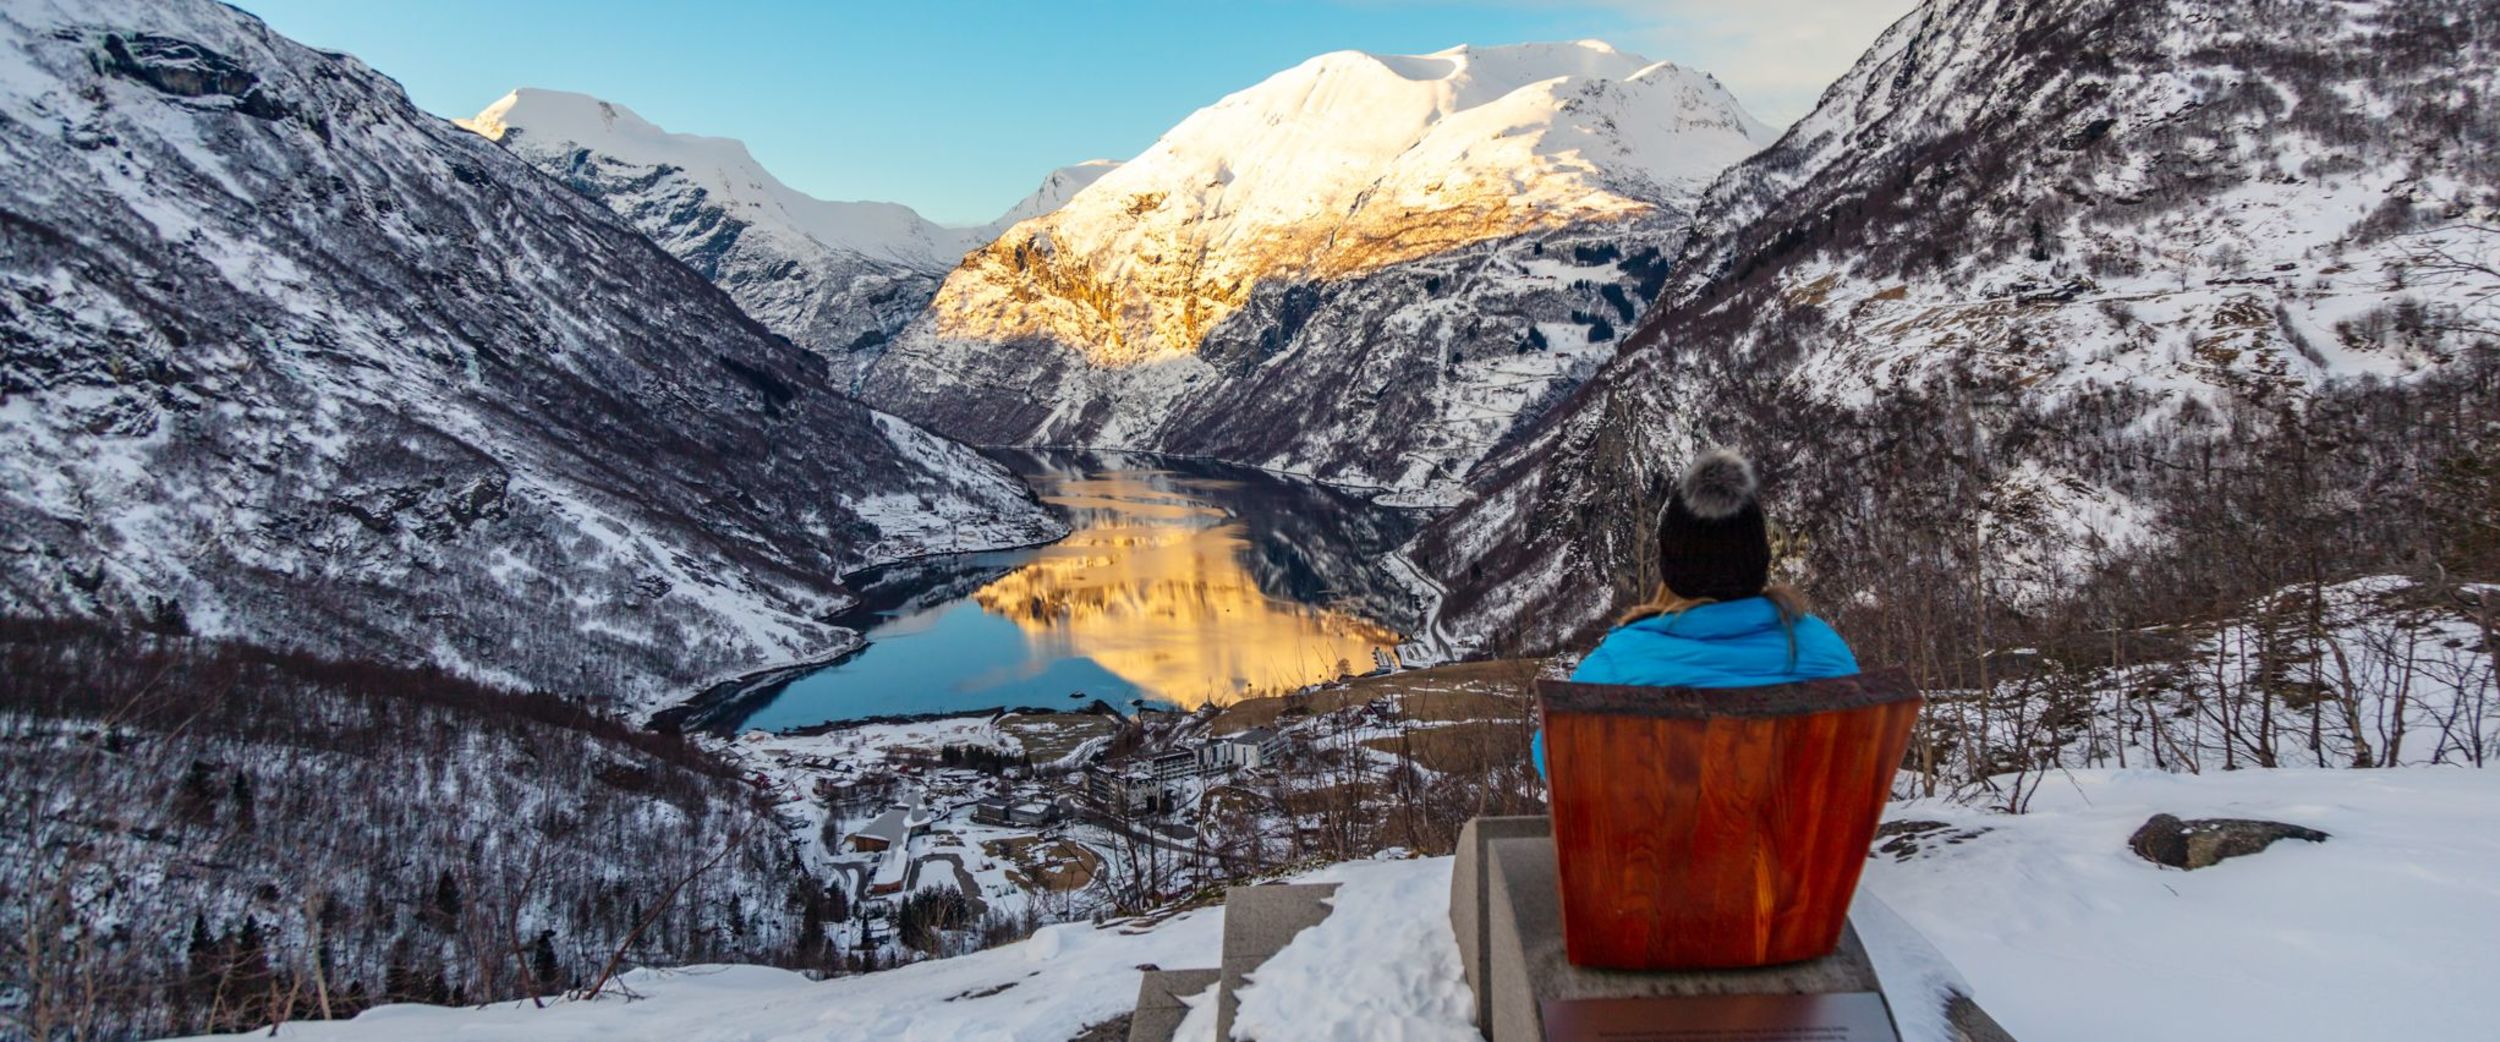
{"type": "Point", "coordinates": [1112, 1030]}
{"type": "Point", "coordinates": [1908, 839]}
{"type": "Point", "coordinates": [2167, 840]}
{"type": "Point", "coordinates": [187, 70]}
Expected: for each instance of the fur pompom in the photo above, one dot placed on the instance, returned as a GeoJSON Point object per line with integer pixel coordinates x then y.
{"type": "Point", "coordinates": [1718, 484]}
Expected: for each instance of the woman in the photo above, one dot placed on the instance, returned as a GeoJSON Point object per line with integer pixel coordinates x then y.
{"type": "Point", "coordinates": [1715, 621]}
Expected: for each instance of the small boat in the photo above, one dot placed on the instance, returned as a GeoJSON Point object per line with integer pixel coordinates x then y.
{"type": "Point", "coordinates": [1076, 694]}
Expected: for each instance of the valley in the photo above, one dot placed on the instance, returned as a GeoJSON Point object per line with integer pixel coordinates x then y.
{"type": "Point", "coordinates": [541, 559]}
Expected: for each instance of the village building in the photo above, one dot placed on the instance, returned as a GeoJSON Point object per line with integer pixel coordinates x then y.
{"type": "Point", "coordinates": [1011, 813]}
{"type": "Point", "coordinates": [1174, 765]}
{"type": "Point", "coordinates": [888, 830]}
{"type": "Point", "coordinates": [1256, 747]}
{"type": "Point", "coordinates": [895, 827]}
{"type": "Point", "coordinates": [892, 869]}
{"type": "Point", "coordinates": [1122, 793]}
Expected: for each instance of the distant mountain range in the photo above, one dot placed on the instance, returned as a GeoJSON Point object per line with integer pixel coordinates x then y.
{"type": "Point", "coordinates": [833, 276]}
{"type": "Point", "coordinates": [2041, 243]}
{"type": "Point", "coordinates": [1373, 268]}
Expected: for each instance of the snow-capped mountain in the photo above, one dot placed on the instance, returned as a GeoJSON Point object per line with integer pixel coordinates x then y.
{"type": "Point", "coordinates": [1366, 266]}
{"type": "Point", "coordinates": [1062, 185]}
{"type": "Point", "coordinates": [284, 358]}
{"type": "Point", "coordinates": [833, 276]}
{"type": "Point", "coordinates": [2028, 285]}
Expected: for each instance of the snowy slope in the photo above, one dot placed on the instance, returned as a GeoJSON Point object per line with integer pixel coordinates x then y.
{"type": "Point", "coordinates": [548, 125]}
{"type": "Point", "coordinates": [2024, 259]}
{"type": "Point", "coordinates": [1344, 164]}
{"type": "Point", "coordinates": [833, 276]}
{"type": "Point", "coordinates": [2063, 935]}
{"type": "Point", "coordinates": [1062, 185]}
{"type": "Point", "coordinates": [285, 358]}
{"type": "Point", "coordinates": [1324, 266]}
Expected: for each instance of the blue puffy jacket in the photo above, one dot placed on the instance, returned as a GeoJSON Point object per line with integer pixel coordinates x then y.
{"type": "Point", "coordinates": [1726, 644]}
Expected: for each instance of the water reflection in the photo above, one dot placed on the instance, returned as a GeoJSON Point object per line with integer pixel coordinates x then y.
{"type": "Point", "coordinates": [1182, 583]}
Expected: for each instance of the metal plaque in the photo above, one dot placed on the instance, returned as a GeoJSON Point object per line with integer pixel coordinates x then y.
{"type": "Point", "coordinates": [1849, 1016]}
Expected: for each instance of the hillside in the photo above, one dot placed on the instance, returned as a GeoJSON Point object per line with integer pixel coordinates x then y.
{"type": "Point", "coordinates": [209, 836]}
{"type": "Point", "coordinates": [2166, 304]}
{"type": "Point", "coordinates": [1367, 267]}
{"type": "Point", "coordinates": [282, 357]}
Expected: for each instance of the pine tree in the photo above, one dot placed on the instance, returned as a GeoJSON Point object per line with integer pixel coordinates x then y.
{"type": "Point", "coordinates": [165, 615]}
{"type": "Point", "coordinates": [810, 944]}
{"type": "Point", "coordinates": [241, 794]}
{"type": "Point", "coordinates": [247, 980]}
{"type": "Point", "coordinates": [200, 968]}
{"type": "Point", "coordinates": [543, 965]}
{"type": "Point", "coordinates": [444, 912]}
{"type": "Point", "coordinates": [196, 801]}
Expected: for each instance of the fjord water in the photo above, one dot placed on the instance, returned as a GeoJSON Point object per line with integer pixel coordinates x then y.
{"type": "Point", "coordinates": [1181, 583]}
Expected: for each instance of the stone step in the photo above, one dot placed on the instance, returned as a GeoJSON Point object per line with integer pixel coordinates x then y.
{"type": "Point", "coordinates": [1258, 922]}
{"type": "Point", "coordinates": [1159, 1006]}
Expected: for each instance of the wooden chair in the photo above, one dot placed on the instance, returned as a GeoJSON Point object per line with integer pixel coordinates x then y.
{"type": "Point", "coordinates": [1717, 828]}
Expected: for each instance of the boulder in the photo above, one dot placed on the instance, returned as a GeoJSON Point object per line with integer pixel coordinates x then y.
{"type": "Point", "coordinates": [2165, 839]}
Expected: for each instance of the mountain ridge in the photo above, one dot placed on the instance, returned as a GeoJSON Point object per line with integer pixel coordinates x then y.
{"type": "Point", "coordinates": [1367, 268]}
{"type": "Point", "coordinates": [834, 276]}
{"type": "Point", "coordinates": [2170, 226]}
{"type": "Point", "coordinates": [283, 360]}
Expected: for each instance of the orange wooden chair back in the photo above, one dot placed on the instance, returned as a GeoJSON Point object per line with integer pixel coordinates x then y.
{"type": "Point", "coordinates": [1717, 828]}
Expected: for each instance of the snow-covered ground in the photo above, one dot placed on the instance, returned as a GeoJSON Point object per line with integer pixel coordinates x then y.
{"type": "Point", "coordinates": [2384, 931]}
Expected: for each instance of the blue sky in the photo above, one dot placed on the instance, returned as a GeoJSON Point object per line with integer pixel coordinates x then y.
{"type": "Point", "coordinates": [959, 108]}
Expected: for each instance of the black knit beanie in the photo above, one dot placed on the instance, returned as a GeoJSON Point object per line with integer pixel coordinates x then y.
{"type": "Point", "coordinates": [1712, 541]}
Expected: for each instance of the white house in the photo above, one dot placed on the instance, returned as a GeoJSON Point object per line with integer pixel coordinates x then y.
{"type": "Point", "coordinates": [1256, 747]}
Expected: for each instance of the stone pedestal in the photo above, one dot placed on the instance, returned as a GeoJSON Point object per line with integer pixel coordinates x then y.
{"type": "Point", "coordinates": [1506, 910]}
{"type": "Point", "coordinates": [1470, 905]}
{"type": "Point", "coordinates": [1524, 963]}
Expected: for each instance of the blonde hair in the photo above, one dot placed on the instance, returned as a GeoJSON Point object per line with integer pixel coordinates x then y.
{"type": "Point", "coordinates": [1783, 597]}
{"type": "Point", "coordinates": [1791, 604]}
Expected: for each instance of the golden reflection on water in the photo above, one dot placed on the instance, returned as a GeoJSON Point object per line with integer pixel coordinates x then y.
{"type": "Point", "coordinates": [1151, 586]}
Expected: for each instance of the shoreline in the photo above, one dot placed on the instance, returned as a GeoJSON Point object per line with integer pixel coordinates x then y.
{"type": "Point", "coordinates": [1092, 707]}
{"type": "Point", "coordinates": [740, 694]}
{"type": "Point", "coordinates": [697, 712]}
{"type": "Point", "coordinates": [1368, 493]}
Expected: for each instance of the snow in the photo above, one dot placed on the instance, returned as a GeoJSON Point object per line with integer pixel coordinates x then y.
{"type": "Point", "coordinates": [550, 126]}
{"type": "Point", "coordinates": [2384, 931]}
{"type": "Point", "coordinates": [1325, 167]}
{"type": "Point", "coordinates": [538, 120]}
{"type": "Point", "coordinates": [1332, 983]}
{"type": "Point", "coordinates": [214, 367]}
{"type": "Point", "coordinates": [1055, 984]}
{"type": "Point", "coordinates": [1060, 186]}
